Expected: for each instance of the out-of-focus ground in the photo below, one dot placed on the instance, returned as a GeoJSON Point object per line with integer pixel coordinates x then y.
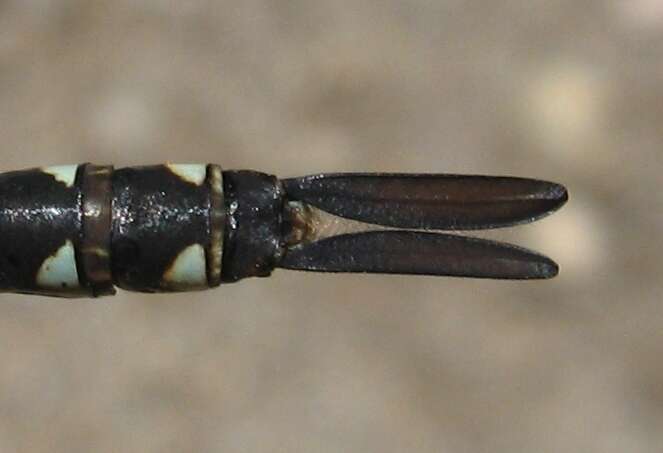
{"type": "Point", "coordinates": [570, 91]}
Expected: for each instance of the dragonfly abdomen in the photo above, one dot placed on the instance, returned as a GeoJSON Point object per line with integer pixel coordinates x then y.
{"type": "Point", "coordinates": [81, 230]}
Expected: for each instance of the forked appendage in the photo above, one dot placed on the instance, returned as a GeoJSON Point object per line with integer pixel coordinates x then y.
{"type": "Point", "coordinates": [384, 223]}
{"type": "Point", "coordinates": [82, 230]}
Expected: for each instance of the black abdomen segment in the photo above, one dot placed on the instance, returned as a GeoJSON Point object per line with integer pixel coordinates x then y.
{"type": "Point", "coordinates": [40, 229]}
{"type": "Point", "coordinates": [253, 236]}
{"type": "Point", "coordinates": [80, 230]}
{"type": "Point", "coordinates": [166, 227]}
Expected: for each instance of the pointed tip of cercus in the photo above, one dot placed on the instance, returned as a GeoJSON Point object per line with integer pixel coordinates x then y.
{"type": "Point", "coordinates": [541, 268]}
{"type": "Point", "coordinates": [517, 263]}
{"type": "Point", "coordinates": [559, 194]}
{"type": "Point", "coordinates": [540, 200]}
{"type": "Point", "coordinates": [548, 269]}
{"type": "Point", "coordinates": [555, 194]}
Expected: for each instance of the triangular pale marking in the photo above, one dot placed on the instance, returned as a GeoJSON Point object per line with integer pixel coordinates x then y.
{"type": "Point", "coordinates": [65, 173]}
{"type": "Point", "coordinates": [58, 272]}
{"type": "Point", "coordinates": [188, 271]}
{"type": "Point", "coordinates": [193, 173]}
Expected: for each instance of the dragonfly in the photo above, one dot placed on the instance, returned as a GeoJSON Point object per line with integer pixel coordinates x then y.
{"type": "Point", "coordinates": [83, 230]}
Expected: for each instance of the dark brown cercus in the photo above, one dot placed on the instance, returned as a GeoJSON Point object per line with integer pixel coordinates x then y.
{"type": "Point", "coordinates": [414, 205]}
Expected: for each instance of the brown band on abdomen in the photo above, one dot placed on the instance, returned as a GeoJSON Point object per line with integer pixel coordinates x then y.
{"type": "Point", "coordinates": [217, 212]}
{"type": "Point", "coordinates": [94, 253]}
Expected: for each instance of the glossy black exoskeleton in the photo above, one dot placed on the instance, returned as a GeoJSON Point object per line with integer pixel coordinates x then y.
{"type": "Point", "coordinates": [80, 231]}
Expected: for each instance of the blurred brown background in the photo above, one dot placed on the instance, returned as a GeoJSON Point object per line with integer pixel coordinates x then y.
{"type": "Point", "coordinates": [570, 91]}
